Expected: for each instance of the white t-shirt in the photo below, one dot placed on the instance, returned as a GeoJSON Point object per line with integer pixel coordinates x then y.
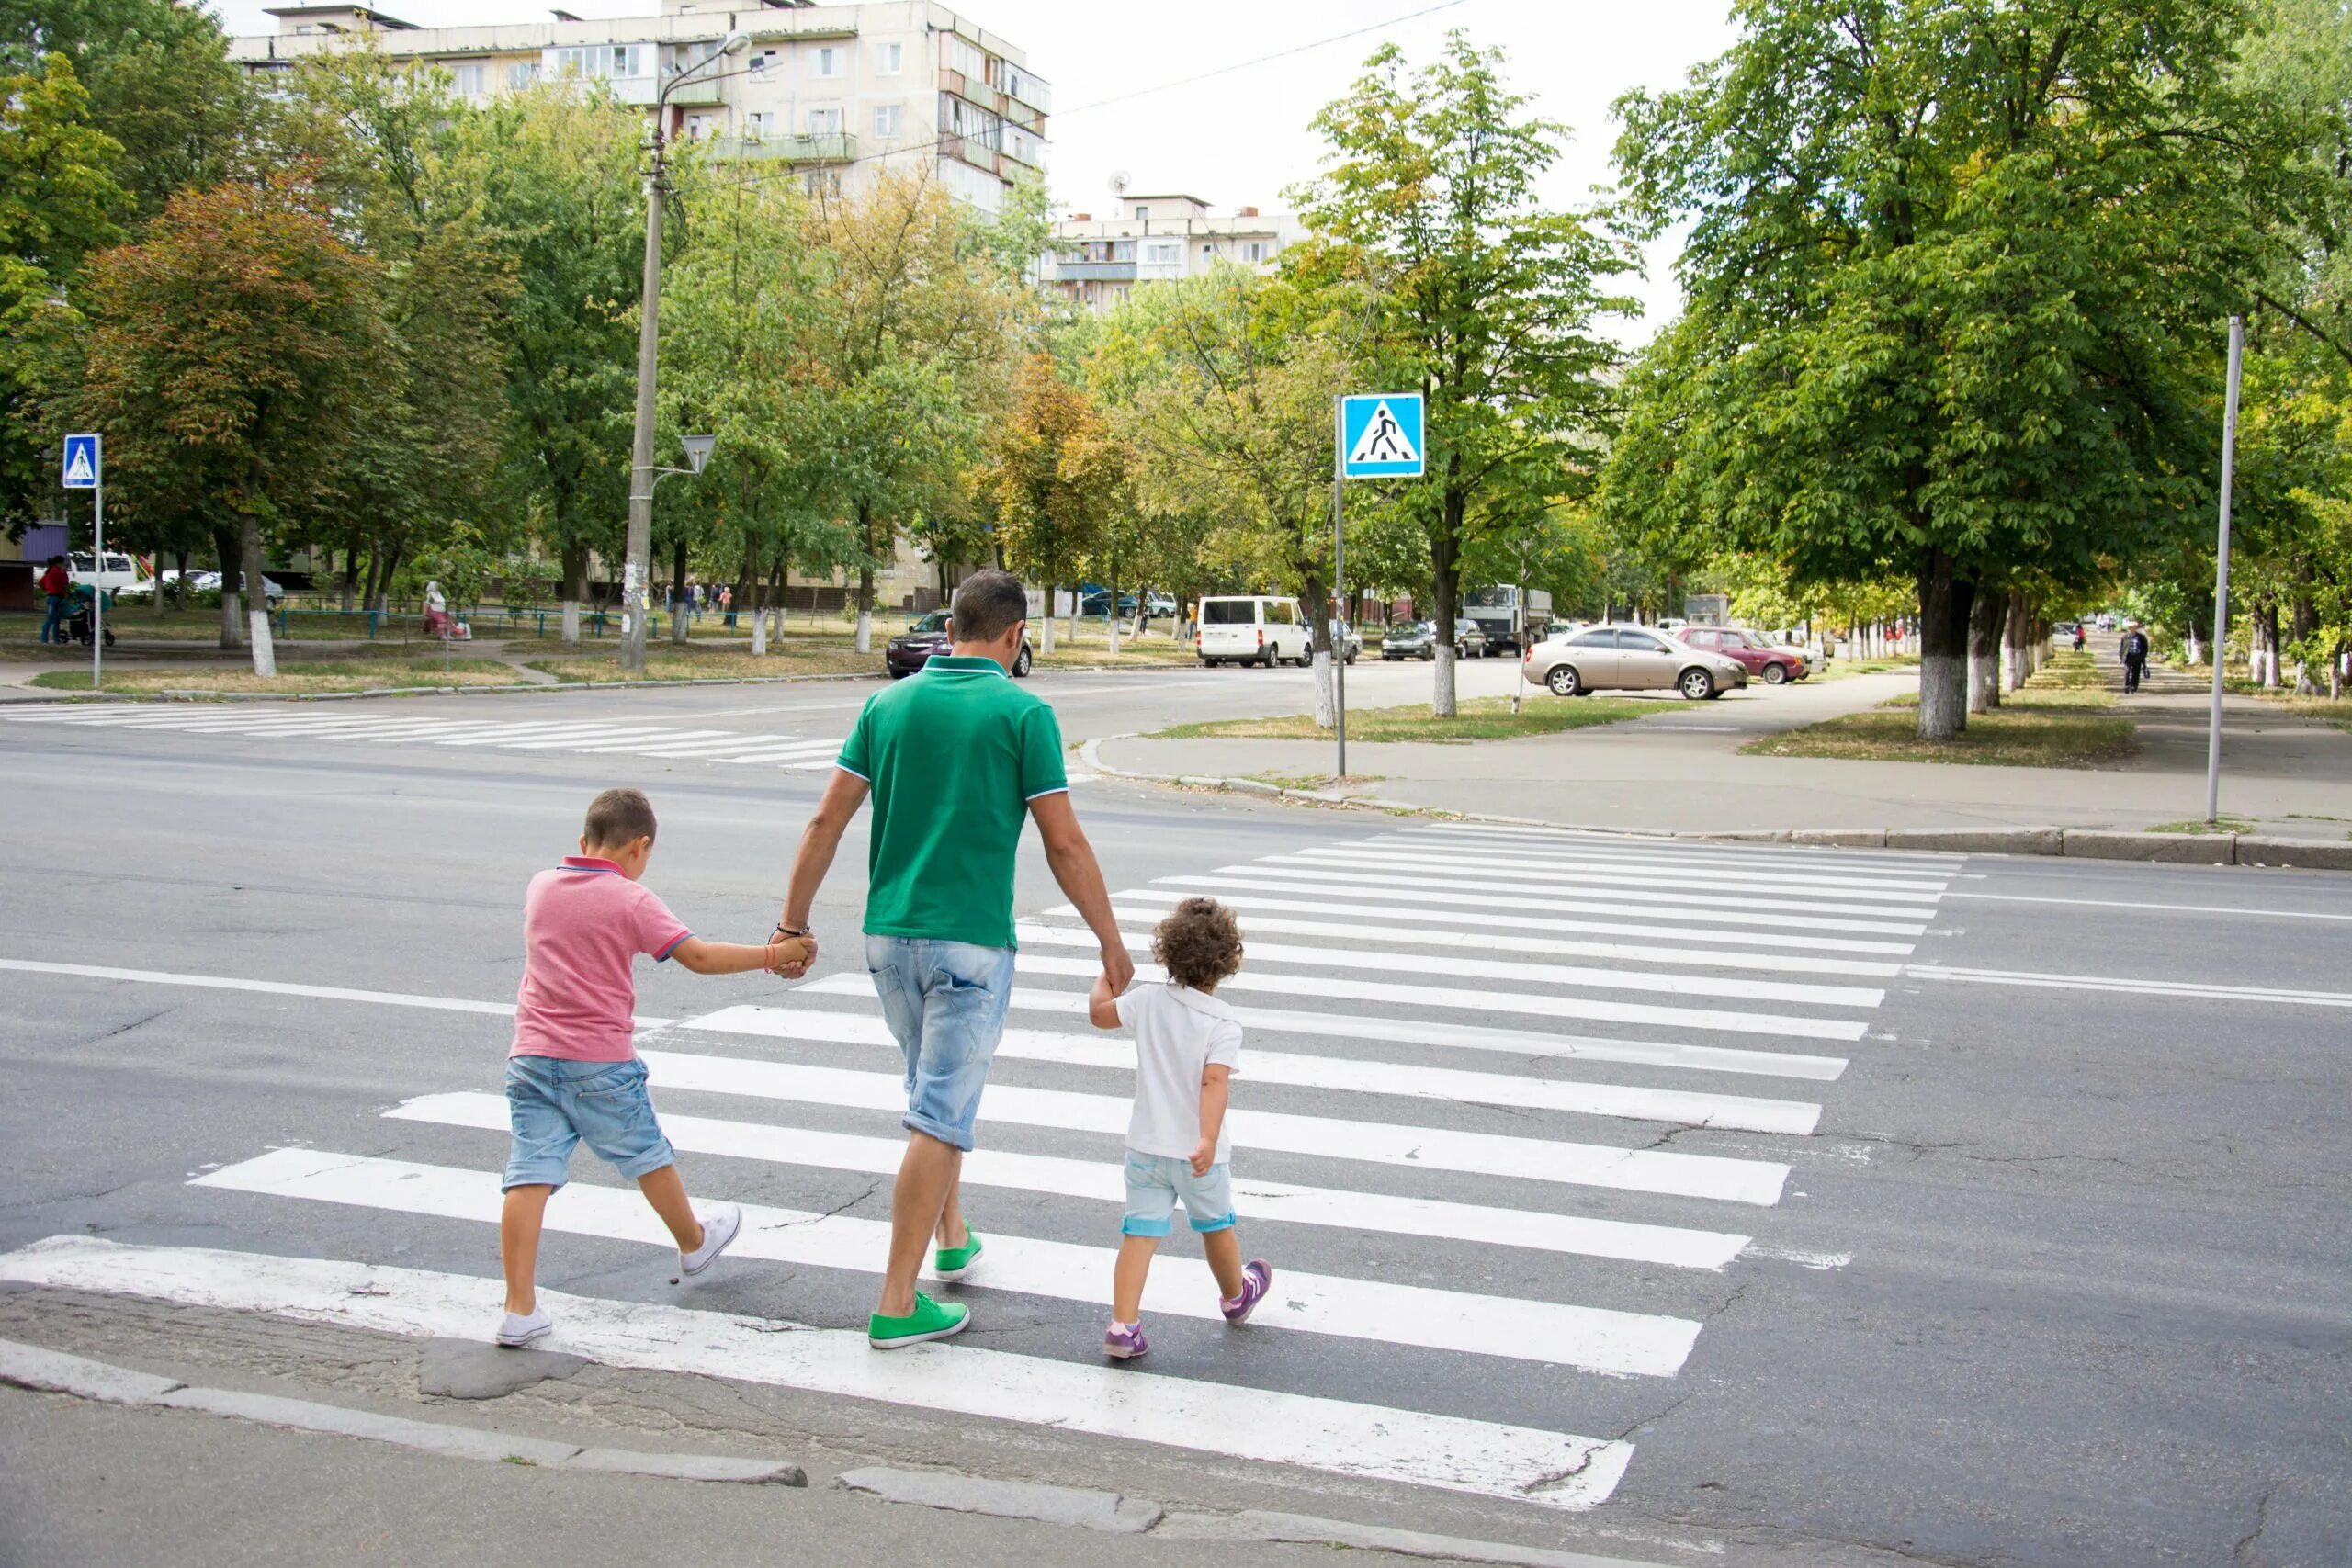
{"type": "Point", "coordinates": [1179, 1033]}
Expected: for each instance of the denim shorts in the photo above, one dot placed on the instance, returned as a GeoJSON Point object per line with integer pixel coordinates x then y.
{"type": "Point", "coordinates": [553, 1103]}
{"type": "Point", "coordinates": [945, 1002]}
{"type": "Point", "coordinates": [1156, 1181]}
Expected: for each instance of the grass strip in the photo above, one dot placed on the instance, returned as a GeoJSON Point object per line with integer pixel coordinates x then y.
{"type": "Point", "coordinates": [2027, 737]}
{"type": "Point", "coordinates": [293, 678]}
{"type": "Point", "coordinates": [1480, 718]}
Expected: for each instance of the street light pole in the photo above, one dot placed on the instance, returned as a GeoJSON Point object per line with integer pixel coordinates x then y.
{"type": "Point", "coordinates": [637, 569]}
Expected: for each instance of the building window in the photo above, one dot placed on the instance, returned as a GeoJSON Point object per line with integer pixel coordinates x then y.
{"type": "Point", "coordinates": [697, 127]}
{"type": "Point", "coordinates": [827, 61]}
{"type": "Point", "coordinates": [473, 81]}
{"type": "Point", "coordinates": [887, 118]}
{"type": "Point", "coordinates": [824, 122]}
{"type": "Point", "coordinates": [1254, 251]}
{"type": "Point", "coordinates": [603, 61]}
{"type": "Point", "coordinates": [822, 182]}
{"type": "Point", "coordinates": [758, 123]}
{"type": "Point", "coordinates": [890, 58]}
{"type": "Point", "coordinates": [521, 75]}
{"type": "Point", "coordinates": [1163, 256]}
{"type": "Point", "coordinates": [1142, 214]}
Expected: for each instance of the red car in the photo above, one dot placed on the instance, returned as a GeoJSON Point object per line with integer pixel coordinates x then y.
{"type": "Point", "coordinates": [1773, 666]}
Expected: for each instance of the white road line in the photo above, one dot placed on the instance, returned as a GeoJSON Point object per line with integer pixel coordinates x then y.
{"type": "Point", "coordinates": [1689, 880]}
{"type": "Point", "coordinates": [1738, 987]}
{"type": "Point", "coordinates": [1583, 838]}
{"type": "Point", "coordinates": [2141, 907]}
{"type": "Point", "coordinates": [1707, 950]}
{"type": "Point", "coordinates": [1508, 931]}
{"type": "Point", "coordinates": [279, 989]}
{"type": "Point", "coordinates": [1622, 895]}
{"type": "Point", "coordinates": [596, 732]}
{"type": "Point", "coordinates": [1346, 1075]}
{"type": "Point", "coordinates": [1443, 1032]}
{"type": "Point", "coordinates": [715, 751]}
{"type": "Point", "coordinates": [1785, 1025]}
{"type": "Point", "coordinates": [818, 751]}
{"type": "Point", "coordinates": [1552, 1469]}
{"type": "Point", "coordinates": [638, 746]}
{"type": "Point", "coordinates": [553, 731]}
{"type": "Point", "coordinates": [2186, 989]}
{"type": "Point", "coordinates": [1328, 1137]}
{"type": "Point", "coordinates": [1760, 857]}
{"type": "Point", "coordinates": [1452, 890]}
{"type": "Point", "coordinates": [1078, 1271]}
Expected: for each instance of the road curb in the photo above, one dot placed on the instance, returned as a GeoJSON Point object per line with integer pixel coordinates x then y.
{"type": "Point", "coordinates": [2164, 848]}
{"type": "Point", "coordinates": [53, 1371]}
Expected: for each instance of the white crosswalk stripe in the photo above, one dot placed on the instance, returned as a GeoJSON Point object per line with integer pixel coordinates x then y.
{"type": "Point", "coordinates": [1413, 1087]}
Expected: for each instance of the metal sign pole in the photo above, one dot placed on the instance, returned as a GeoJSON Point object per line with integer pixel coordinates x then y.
{"type": "Point", "coordinates": [2221, 570]}
{"type": "Point", "coordinates": [99, 589]}
{"type": "Point", "coordinates": [1339, 578]}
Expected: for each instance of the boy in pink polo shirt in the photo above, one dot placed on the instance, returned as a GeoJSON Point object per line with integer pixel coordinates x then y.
{"type": "Point", "coordinates": [573, 1075]}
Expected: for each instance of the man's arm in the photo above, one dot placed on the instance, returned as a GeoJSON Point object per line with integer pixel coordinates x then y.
{"type": "Point", "coordinates": [1072, 858]}
{"type": "Point", "coordinates": [1103, 1004]}
{"type": "Point", "coordinates": [844, 794]}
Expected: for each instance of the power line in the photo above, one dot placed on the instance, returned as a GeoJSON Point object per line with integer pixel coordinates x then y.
{"type": "Point", "coordinates": [1261, 60]}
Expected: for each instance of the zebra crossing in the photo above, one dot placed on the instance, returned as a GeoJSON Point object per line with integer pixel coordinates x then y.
{"type": "Point", "coordinates": [1397, 987]}
{"type": "Point", "coordinates": [788, 753]}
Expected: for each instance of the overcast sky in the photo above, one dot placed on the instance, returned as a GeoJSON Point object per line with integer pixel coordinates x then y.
{"type": "Point", "coordinates": [1240, 137]}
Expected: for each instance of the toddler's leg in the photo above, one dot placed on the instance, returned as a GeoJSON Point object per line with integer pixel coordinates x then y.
{"type": "Point", "coordinates": [1224, 1248]}
{"type": "Point", "coordinates": [518, 1246]}
{"type": "Point", "coordinates": [666, 1190]}
{"type": "Point", "coordinates": [1127, 1279]}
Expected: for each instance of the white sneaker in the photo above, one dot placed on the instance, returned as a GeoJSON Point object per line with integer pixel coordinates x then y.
{"type": "Point", "coordinates": [516, 1330]}
{"type": "Point", "coordinates": [719, 1228]}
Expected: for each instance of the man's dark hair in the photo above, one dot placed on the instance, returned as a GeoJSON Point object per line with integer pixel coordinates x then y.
{"type": "Point", "coordinates": [986, 606]}
{"type": "Point", "coordinates": [618, 817]}
{"type": "Point", "coordinates": [1199, 945]}
{"type": "Point", "coordinates": [56, 560]}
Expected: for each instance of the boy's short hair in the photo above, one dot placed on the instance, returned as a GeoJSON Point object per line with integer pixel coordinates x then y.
{"type": "Point", "coordinates": [619, 817]}
{"type": "Point", "coordinates": [1199, 943]}
{"type": "Point", "coordinates": [986, 604]}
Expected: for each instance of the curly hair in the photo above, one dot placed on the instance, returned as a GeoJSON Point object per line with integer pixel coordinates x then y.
{"type": "Point", "coordinates": [1199, 945]}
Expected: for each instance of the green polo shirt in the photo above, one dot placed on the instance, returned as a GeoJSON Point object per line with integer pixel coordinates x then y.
{"type": "Point", "coordinates": [954, 754]}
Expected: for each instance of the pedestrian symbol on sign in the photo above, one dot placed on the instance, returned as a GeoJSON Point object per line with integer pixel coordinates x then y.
{"type": "Point", "coordinates": [1383, 440]}
{"type": "Point", "coordinates": [1380, 435]}
{"type": "Point", "coordinates": [81, 462]}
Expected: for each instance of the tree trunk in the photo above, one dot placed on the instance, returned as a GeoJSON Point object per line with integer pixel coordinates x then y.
{"type": "Point", "coordinates": [350, 574]}
{"type": "Point", "coordinates": [179, 580]}
{"type": "Point", "coordinates": [1318, 639]}
{"type": "Point", "coordinates": [865, 609]}
{"type": "Point", "coordinates": [256, 597]}
{"type": "Point", "coordinates": [2015, 646]}
{"type": "Point", "coordinates": [678, 588]}
{"type": "Point", "coordinates": [1110, 611]}
{"type": "Point", "coordinates": [390, 564]}
{"type": "Point", "coordinates": [2267, 618]}
{"type": "Point", "coordinates": [2303, 622]}
{"type": "Point", "coordinates": [1445, 588]}
{"type": "Point", "coordinates": [575, 589]}
{"type": "Point", "coordinates": [1046, 646]}
{"type": "Point", "coordinates": [224, 551]}
{"type": "Point", "coordinates": [1987, 619]}
{"type": "Point", "coordinates": [1945, 601]}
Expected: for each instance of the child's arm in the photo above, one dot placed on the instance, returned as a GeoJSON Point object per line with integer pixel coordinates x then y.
{"type": "Point", "coordinates": [1212, 1094]}
{"type": "Point", "coordinates": [739, 958]}
{"type": "Point", "coordinates": [1103, 1004]}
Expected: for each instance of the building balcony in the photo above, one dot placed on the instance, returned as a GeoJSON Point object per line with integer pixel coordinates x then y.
{"type": "Point", "coordinates": [784, 149]}
{"type": "Point", "coordinates": [698, 92]}
{"type": "Point", "coordinates": [1095, 272]}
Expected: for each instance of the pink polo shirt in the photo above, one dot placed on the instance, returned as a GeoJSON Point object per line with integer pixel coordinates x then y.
{"type": "Point", "coordinates": [583, 925]}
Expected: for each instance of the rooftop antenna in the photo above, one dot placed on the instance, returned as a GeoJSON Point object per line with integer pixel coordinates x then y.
{"type": "Point", "coordinates": [1120, 181]}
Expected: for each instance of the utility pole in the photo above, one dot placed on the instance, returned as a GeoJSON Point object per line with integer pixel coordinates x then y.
{"type": "Point", "coordinates": [2221, 570]}
{"type": "Point", "coordinates": [636, 568]}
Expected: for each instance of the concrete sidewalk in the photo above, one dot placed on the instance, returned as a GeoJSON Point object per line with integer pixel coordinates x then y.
{"type": "Point", "coordinates": [1681, 772]}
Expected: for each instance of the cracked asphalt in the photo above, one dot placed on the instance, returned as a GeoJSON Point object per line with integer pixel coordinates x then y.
{"type": "Point", "coordinates": [2096, 1312]}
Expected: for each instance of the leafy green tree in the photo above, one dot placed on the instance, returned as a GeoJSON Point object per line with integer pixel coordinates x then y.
{"type": "Point", "coordinates": [1049, 517]}
{"type": "Point", "coordinates": [1483, 300]}
{"type": "Point", "coordinates": [228, 361]}
{"type": "Point", "coordinates": [1955, 276]}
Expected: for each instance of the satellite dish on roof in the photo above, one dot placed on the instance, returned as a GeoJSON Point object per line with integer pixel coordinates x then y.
{"type": "Point", "coordinates": [1120, 181]}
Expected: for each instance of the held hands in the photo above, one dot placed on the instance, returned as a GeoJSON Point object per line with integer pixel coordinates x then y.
{"type": "Point", "coordinates": [1203, 1156]}
{"type": "Point", "coordinates": [790, 956]}
{"type": "Point", "coordinates": [1118, 969]}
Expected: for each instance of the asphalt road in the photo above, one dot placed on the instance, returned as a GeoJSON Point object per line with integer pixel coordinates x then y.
{"type": "Point", "coordinates": [2059, 1277]}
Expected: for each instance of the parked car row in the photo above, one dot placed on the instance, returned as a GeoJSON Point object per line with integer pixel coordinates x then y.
{"type": "Point", "coordinates": [1419, 640]}
{"type": "Point", "coordinates": [1627, 657]}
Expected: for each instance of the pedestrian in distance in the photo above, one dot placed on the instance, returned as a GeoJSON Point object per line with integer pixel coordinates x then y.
{"type": "Point", "coordinates": [573, 1075]}
{"type": "Point", "coordinates": [957, 758]}
{"type": "Point", "coordinates": [2078, 637]}
{"type": "Point", "coordinates": [1188, 1046]}
{"type": "Point", "coordinates": [56, 586]}
{"type": "Point", "coordinates": [2134, 650]}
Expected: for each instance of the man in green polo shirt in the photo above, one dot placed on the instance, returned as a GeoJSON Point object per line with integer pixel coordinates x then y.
{"type": "Point", "coordinates": [957, 760]}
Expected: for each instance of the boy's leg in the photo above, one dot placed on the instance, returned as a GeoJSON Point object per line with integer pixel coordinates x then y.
{"type": "Point", "coordinates": [953, 1231]}
{"type": "Point", "coordinates": [1224, 1248]}
{"type": "Point", "coordinates": [1127, 1277]}
{"type": "Point", "coordinates": [518, 1246]}
{"type": "Point", "coordinates": [666, 1190]}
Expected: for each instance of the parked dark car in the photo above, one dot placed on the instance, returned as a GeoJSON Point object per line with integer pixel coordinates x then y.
{"type": "Point", "coordinates": [1409, 639]}
{"type": "Point", "coordinates": [1094, 600]}
{"type": "Point", "coordinates": [927, 634]}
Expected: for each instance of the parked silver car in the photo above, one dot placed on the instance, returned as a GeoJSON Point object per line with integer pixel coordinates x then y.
{"type": "Point", "coordinates": [1629, 658]}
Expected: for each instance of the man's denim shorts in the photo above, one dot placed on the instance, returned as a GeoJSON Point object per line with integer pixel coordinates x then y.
{"type": "Point", "coordinates": [554, 1103]}
{"type": "Point", "coordinates": [945, 1002]}
{"type": "Point", "coordinates": [1154, 1184]}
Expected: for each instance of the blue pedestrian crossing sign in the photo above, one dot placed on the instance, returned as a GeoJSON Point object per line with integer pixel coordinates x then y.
{"type": "Point", "coordinates": [1380, 435]}
{"type": "Point", "coordinates": [83, 460]}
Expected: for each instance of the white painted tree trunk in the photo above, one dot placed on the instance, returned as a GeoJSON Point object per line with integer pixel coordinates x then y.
{"type": "Point", "coordinates": [760, 634]}
{"type": "Point", "coordinates": [1111, 622]}
{"type": "Point", "coordinates": [2196, 652]}
{"type": "Point", "coordinates": [264, 653]}
{"type": "Point", "coordinates": [1442, 704]}
{"type": "Point", "coordinates": [865, 631]}
{"type": "Point", "coordinates": [1324, 712]}
{"type": "Point", "coordinates": [572, 623]}
{"type": "Point", "coordinates": [1046, 646]}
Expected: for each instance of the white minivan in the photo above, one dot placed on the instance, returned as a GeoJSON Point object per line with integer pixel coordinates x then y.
{"type": "Point", "coordinates": [1254, 629]}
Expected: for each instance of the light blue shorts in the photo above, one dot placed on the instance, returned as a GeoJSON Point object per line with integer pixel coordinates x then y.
{"type": "Point", "coordinates": [1155, 1182]}
{"type": "Point", "coordinates": [553, 1104]}
{"type": "Point", "coordinates": [945, 1002]}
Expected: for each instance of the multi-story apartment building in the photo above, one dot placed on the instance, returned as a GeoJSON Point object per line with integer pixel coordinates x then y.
{"type": "Point", "coordinates": [1098, 261]}
{"type": "Point", "coordinates": [836, 92]}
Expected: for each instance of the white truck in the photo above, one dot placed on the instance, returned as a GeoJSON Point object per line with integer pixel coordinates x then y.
{"type": "Point", "coordinates": [1513, 618]}
{"type": "Point", "coordinates": [1254, 628]}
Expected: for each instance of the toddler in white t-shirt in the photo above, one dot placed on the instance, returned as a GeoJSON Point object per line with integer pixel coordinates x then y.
{"type": "Point", "coordinates": [1187, 1044]}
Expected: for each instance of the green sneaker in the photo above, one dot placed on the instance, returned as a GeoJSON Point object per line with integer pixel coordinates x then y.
{"type": "Point", "coordinates": [927, 1321]}
{"type": "Point", "coordinates": [955, 1262]}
